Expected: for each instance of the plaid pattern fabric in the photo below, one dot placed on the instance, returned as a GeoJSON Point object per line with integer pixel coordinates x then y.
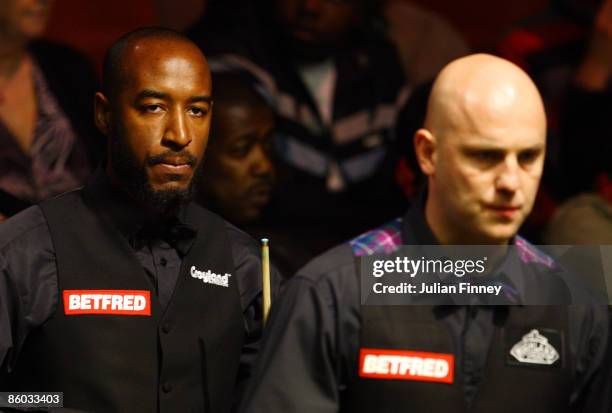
{"type": "Point", "coordinates": [530, 254]}
{"type": "Point", "coordinates": [387, 238]}
{"type": "Point", "coordinates": [382, 240]}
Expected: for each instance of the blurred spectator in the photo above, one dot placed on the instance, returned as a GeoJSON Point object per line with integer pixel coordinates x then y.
{"type": "Point", "coordinates": [47, 137]}
{"type": "Point", "coordinates": [92, 26]}
{"type": "Point", "coordinates": [425, 41]}
{"type": "Point", "coordinates": [568, 52]}
{"type": "Point", "coordinates": [586, 137]}
{"type": "Point", "coordinates": [337, 86]}
{"type": "Point", "coordinates": [179, 14]}
{"type": "Point", "coordinates": [239, 171]}
{"type": "Point", "coordinates": [584, 219]}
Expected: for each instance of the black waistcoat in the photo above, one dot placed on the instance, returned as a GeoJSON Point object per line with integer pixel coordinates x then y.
{"type": "Point", "coordinates": [507, 385]}
{"type": "Point", "coordinates": [183, 360]}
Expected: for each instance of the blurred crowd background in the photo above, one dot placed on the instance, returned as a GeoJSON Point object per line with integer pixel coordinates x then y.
{"type": "Point", "coordinates": [316, 102]}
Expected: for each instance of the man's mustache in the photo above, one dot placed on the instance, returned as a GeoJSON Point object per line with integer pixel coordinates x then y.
{"type": "Point", "coordinates": [172, 158]}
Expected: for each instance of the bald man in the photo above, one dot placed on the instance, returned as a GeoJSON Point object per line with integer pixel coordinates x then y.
{"type": "Point", "coordinates": [482, 150]}
{"type": "Point", "coordinates": [125, 295]}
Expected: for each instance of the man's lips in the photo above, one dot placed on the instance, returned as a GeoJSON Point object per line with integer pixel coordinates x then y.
{"type": "Point", "coordinates": [260, 194]}
{"type": "Point", "coordinates": [173, 165]}
{"type": "Point", "coordinates": [176, 169]}
{"type": "Point", "coordinates": [507, 211]}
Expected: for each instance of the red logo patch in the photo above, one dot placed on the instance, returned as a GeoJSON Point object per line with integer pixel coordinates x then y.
{"type": "Point", "coordinates": [406, 365]}
{"type": "Point", "coordinates": [123, 302]}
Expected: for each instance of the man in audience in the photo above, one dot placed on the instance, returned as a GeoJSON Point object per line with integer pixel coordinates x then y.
{"type": "Point", "coordinates": [337, 87]}
{"type": "Point", "coordinates": [239, 172]}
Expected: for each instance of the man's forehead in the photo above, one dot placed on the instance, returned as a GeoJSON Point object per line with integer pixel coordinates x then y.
{"type": "Point", "coordinates": [245, 118]}
{"type": "Point", "coordinates": [493, 125]}
{"type": "Point", "coordinates": [516, 139]}
{"type": "Point", "coordinates": [165, 62]}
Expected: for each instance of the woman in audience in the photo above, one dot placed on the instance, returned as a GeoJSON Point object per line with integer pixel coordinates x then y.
{"type": "Point", "coordinates": [47, 137]}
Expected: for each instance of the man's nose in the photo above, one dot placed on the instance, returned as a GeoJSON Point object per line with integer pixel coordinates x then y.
{"type": "Point", "coordinates": [262, 162]}
{"type": "Point", "coordinates": [177, 132]}
{"type": "Point", "coordinates": [507, 179]}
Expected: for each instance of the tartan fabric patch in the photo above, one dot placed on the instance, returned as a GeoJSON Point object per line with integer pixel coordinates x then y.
{"type": "Point", "coordinates": [529, 253]}
{"type": "Point", "coordinates": [385, 239]}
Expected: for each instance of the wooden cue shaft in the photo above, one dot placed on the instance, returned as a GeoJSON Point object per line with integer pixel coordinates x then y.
{"type": "Point", "coordinates": [265, 274]}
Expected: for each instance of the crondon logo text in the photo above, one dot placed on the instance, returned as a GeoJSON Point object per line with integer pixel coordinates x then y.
{"type": "Point", "coordinates": [210, 277]}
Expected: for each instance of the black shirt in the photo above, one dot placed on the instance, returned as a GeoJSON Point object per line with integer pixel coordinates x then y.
{"type": "Point", "coordinates": [310, 350]}
{"type": "Point", "coordinates": [28, 271]}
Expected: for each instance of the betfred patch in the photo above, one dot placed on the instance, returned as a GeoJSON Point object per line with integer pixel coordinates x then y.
{"type": "Point", "coordinates": [119, 302]}
{"type": "Point", "coordinates": [406, 365]}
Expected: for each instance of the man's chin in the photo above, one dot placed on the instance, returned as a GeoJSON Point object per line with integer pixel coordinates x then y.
{"type": "Point", "coordinates": [165, 197]}
{"type": "Point", "coordinates": [170, 186]}
{"type": "Point", "coordinates": [500, 233]}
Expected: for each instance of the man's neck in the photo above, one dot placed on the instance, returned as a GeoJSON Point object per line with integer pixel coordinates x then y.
{"type": "Point", "coordinates": [446, 234]}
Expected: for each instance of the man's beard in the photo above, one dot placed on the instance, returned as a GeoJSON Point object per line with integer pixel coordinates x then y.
{"type": "Point", "coordinates": [133, 176]}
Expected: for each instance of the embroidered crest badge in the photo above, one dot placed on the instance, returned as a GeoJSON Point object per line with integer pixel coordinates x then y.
{"type": "Point", "coordinates": [534, 348]}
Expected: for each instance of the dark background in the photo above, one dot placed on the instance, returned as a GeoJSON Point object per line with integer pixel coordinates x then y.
{"type": "Point", "coordinates": [91, 26]}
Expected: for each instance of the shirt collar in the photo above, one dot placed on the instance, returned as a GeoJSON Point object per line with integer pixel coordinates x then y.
{"type": "Point", "coordinates": [508, 272]}
{"type": "Point", "coordinates": [415, 230]}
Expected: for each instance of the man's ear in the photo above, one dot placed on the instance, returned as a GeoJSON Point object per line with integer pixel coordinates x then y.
{"type": "Point", "coordinates": [102, 113]}
{"type": "Point", "coordinates": [425, 146]}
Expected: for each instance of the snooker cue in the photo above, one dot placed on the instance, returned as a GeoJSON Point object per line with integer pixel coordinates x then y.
{"type": "Point", "coordinates": [265, 274]}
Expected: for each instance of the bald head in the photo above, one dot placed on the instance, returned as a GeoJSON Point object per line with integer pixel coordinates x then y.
{"type": "Point", "coordinates": [482, 150]}
{"type": "Point", "coordinates": [142, 44]}
{"type": "Point", "coordinates": [479, 88]}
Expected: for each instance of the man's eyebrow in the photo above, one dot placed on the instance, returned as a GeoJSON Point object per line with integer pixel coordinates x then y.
{"type": "Point", "coordinates": [148, 93]}
{"type": "Point", "coordinates": [202, 99]}
{"type": "Point", "coordinates": [476, 146]}
{"type": "Point", "coordinates": [494, 148]}
{"type": "Point", "coordinates": [536, 147]}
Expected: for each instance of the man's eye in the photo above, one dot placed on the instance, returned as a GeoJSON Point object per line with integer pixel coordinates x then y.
{"type": "Point", "coordinates": [197, 111]}
{"type": "Point", "coordinates": [241, 150]}
{"type": "Point", "coordinates": [487, 156]}
{"type": "Point", "coordinates": [528, 157]}
{"type": "Point", "coordinates": [152, 108]}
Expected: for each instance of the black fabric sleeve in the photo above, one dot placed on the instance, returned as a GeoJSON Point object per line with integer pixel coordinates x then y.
{"type": "Point", "coordinates": [310, 342]}
{"type": "Point", "coordinates": [591, 341]}
{"type": "Point", "coordinates": [28, 282]}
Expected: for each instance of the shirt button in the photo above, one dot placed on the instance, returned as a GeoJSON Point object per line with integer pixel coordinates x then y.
{"type": "Point", "coordinates": [167, 387]}
{"type": "Point", "coordinates": [163, 261]}
{"type": "Point", "coordinates": [166, 327]}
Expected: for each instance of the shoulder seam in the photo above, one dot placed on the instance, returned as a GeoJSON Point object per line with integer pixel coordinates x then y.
{"type": "Point", "coordinates": [20, 236]}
